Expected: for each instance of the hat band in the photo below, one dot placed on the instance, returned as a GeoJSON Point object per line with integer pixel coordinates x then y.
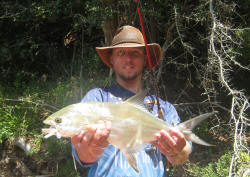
{"type": "Point", "coordinates": [127, 41]}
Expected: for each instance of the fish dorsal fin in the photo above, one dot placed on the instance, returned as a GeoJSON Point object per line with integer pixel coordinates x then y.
{"type": "Point", "coordinates": [138, 100]}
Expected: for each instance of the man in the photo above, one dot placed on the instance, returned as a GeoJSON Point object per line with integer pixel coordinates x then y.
{"type": "Point", "coordinates": [127, 58]}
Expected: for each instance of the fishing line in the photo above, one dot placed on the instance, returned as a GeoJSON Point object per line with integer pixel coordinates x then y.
{"type": "Point", "coordinates": [156, 88]}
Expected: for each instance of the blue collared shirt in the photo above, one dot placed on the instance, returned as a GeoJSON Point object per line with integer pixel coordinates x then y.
{"type": "Point", "coordinates": [112, 163]}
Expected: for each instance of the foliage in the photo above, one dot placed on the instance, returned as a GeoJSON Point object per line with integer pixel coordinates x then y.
{"type": "Point", "coordinates": [60, 149]}
{"type": "Point", "coordinates": [24, 107]}
{"type": "Point", "coordinates": [19, 119]}
{"type": "Point", "coordinates": [221, 167]}
{"type": "Point", "coordinates": [243, 164]}
{"type": "Point", "coordinates": [32, 37]}
{"type": "Point", "coordinates": [66, 169]}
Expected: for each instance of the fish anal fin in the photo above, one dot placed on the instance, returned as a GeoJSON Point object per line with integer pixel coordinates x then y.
{"type": "Point", "coordinates": [132, 160]}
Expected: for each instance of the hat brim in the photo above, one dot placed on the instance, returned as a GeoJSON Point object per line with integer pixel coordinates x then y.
{"type": "Point", "coordinates": [154, 50]}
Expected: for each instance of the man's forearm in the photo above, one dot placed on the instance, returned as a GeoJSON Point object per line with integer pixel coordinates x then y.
{"type": "Point", "coordinates": [87, 155]}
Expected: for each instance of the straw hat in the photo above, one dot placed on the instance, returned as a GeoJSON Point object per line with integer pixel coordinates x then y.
{"type": "Point", "coordinates": [128, 36]}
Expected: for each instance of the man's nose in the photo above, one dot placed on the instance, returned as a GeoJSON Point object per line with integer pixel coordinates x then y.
{"type": "Point", "coordinates": [128, 58]}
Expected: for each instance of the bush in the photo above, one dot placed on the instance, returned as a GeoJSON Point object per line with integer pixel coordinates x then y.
{"type": "Point", "coordinates": [217, 169]}
{"type": "Point", "coordinates": [222, 166]}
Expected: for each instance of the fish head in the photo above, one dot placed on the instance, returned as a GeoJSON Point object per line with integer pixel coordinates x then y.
{"type": "Point", "coordinates": [66, 122]}
{"type": "Point", "coordinates": [52, 121]}
{"type": "Point", "coordinates": [57, 127]}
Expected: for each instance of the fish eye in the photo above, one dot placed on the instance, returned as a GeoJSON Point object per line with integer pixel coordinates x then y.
{"type": "Point", "coordinates": [58, 120]}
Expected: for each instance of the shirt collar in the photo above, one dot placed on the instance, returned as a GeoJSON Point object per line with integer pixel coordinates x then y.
{"type": "Point", "coordinates": [119, 91]}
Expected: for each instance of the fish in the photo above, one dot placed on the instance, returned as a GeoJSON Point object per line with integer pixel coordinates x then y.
{"type": "Point", "coordinates": [133, 125]}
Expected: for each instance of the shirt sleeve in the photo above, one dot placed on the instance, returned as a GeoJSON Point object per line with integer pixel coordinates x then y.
{"type": "Point", "coordinates": [170, 114]}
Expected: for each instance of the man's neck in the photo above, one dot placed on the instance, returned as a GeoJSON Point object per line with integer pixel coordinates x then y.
{"type": "Point", "coordinates": [134, 86]}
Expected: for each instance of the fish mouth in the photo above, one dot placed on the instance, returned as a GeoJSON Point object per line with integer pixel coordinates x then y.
{"type": "Point", "coordinates": [46, 130]}
{"type": "Point", "coordinates": [51, 130]}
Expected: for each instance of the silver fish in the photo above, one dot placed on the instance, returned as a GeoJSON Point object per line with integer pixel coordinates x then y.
{"type": "Point", "coordinates": [132, 125]}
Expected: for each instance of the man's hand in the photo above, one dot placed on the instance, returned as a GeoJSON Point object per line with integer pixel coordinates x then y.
{"type": "Point", "coordinates": [90, 144]}
{"type": "Point", "coordinates": [173, 145]}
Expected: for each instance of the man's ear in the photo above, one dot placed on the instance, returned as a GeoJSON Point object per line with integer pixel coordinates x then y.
{"type": "Point", "coordinates": [111, 61]}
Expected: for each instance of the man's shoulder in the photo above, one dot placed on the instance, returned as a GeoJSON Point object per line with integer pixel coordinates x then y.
{"type": "Point", "coordinates": [94, 91]}
{"type": "Point", "coordinates": [94, 94]}
{"type": "Point", "coordinates": [97, 94]}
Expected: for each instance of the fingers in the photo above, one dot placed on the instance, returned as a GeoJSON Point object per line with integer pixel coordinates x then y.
{"type": "Point", "coordinates": [165, 143]}
{"type": "Point", "coordinates": [76, 139]}
{"type": "Point", "coordinates": [82, 138]}
{"type": "Point", "coordinates": [96, 135]}
{"type": "Point", "coordinates": [179, 138]}
{"type": "Point", "coordinates": [101, 134]}
{"type": "Point", "coordinates": [170, 143]}
{"type": "Point", "coordinates": [91, 144]}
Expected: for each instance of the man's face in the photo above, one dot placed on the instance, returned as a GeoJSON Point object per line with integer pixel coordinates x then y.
{"type": "Point", "coordinates": [128, 63]}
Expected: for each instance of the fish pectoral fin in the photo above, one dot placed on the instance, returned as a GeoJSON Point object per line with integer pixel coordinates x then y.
{"type": "Point", "coordinates": [132, 160]}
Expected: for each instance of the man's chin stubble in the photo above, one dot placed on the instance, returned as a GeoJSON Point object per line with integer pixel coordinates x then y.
{"type": "Point", "coordinates": [128, 78]}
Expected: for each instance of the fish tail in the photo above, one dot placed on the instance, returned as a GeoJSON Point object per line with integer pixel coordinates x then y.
{"type": "Point", "coordinates": [187, 126]}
